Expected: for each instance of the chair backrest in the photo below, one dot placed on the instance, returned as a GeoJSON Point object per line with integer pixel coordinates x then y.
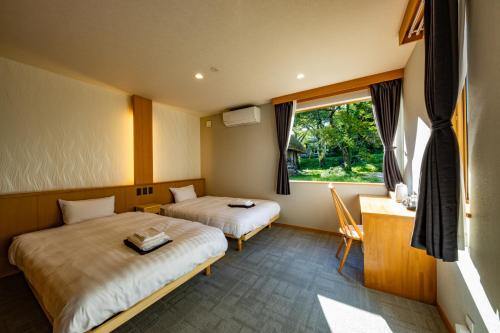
{"type": "Point", "coordinates": [347, 223]}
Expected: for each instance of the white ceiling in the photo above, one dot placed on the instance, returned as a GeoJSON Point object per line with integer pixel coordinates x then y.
{"type": "Point", "coordinates": [153, 48]}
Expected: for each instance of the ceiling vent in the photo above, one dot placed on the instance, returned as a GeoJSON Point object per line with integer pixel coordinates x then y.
{"type": "Point", "coordinates": [246, 116]}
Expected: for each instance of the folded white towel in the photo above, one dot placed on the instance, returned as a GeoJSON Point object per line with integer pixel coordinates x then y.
{"type": "Point", "coordinates": [149, 234]}
{"type": "Point", "coordinates": [241, 202]}
{"type": "Point", "coordinates": [146, 246]}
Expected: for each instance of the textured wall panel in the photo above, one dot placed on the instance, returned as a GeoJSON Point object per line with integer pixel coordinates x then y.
{"type": "Point", "coordinates": [176, 144]}
{"type": "Point", "coordinates": [56, 132]}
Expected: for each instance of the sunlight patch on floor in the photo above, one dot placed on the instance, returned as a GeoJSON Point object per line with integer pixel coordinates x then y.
{"type": "Point", "coordinates": [343, 317]}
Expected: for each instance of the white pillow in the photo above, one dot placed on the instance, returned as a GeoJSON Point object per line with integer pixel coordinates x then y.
{"type": "Point", "coordinates": [183, 193]}
{"type": "Point", "coordinates": [82, 210]}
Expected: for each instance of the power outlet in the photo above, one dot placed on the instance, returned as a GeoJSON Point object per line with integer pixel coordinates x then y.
{"type": "Point", "coordinates": [144, 190]}
{"type": "Point", "coordinates": [469, 323]}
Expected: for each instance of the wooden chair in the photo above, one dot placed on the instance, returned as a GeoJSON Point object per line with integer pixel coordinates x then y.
{"type": "Point", "coordinates": [349, 229]}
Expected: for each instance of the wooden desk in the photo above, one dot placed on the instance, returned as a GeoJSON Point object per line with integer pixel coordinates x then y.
{"type": "Point", "coordinates": [390, 263]}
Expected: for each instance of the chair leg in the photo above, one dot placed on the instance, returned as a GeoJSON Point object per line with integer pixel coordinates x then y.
{"type": "Point", "coordinates": [342, 241]}
{"type": "Point", "coordinates": [346, 253]}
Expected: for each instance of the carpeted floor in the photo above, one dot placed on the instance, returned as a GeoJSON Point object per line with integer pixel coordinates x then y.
{"type": "Point", "coordinates": [285, 280]}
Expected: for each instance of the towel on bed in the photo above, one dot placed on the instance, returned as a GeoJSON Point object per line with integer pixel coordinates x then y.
{"type": "Point", "coordinates": [141, 251]}
{"type": "Point", "coordinates": [241, 206]}
{"type": "Point", "coordinates": [241, 202]}
{"type": "Point", "coordinates": [149, 234]}
{"type": "Point", "coordinates": [148, 245]}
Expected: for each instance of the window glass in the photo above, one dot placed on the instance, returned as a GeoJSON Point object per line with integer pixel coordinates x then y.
{"type": "Point", "coordinates": [337, 143]}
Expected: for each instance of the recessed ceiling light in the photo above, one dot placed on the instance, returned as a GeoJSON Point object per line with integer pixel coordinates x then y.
{"type": "Point", "coordinates": [199, 76]}
{"type": "Point", "coordinates": [300, 76]}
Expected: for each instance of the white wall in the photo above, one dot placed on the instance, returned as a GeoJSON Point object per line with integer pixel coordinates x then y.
{"type": "Point", "coordinates": [242, 161]}
{"type": "Point", "coordinates": [459, 293]}
{"type": "Point", "coordinates": [416, 121]}
{"type": "Point", "coordinates": [484, 120]}
{"type": "Point", "coordinates": [57, 132]}
{"type": "Point", "coordinates": [176, 143]}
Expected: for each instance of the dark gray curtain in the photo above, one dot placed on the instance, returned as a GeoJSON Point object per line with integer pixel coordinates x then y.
{"type": "Point", "coordinates": [284, 116]}
{"type": "Point", "coordinates": [386, 98]}
{"type": "Point", "coordinates": [436, 224]}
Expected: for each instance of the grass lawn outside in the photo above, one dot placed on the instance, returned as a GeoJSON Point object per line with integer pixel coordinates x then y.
{"type": "Point", "coordinates": [369, 171]}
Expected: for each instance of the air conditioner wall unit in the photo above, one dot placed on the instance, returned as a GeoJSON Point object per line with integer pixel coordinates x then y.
{"type": "Point", "coordinates": [246, 116]}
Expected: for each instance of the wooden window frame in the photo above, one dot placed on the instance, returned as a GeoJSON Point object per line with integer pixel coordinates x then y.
{"type": "Point", "coordinates": [340, 87]}
{"type": "Point", "coordinates": [459, 123]}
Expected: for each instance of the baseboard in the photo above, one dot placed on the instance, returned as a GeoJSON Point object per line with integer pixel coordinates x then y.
{"type": "Point", "coordinates": [279, 224]}
{"type": "Point", "coordinates": [447, 323]}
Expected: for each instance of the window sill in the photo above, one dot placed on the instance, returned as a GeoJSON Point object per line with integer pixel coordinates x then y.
{"type": "Point", "coordinates": [333, 182]}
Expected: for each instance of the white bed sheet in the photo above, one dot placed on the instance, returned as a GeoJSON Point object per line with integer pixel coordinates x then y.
{"type": "Point", "coordinates": [84, 274]}
{"type": "Point", "coordinates": [214, 211]}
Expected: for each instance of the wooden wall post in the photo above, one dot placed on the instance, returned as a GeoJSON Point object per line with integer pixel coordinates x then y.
{"type": "Point", "coordinates": [143, 140]}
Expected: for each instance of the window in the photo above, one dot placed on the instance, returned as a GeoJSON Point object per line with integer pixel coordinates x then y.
{"type": "Point", "coordinates": [338, 143]}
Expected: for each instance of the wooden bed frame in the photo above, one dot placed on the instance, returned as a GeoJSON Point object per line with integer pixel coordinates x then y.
{"type": "Point", "coordinates": [252, 233]}
{"type": "Point", "coordinates": [122, 317]}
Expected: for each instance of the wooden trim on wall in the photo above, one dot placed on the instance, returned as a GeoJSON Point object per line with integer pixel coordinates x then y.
{"type": "Point", "coordinates": [26, 212]}
{"type": "Point", "coordinates": [412, 20]}
{"type": "Point", "coordinates": [340, 88]}
{"type": "Point", "coordinates": [143, 140]}
{"type": "Point", "coordinates": [459, 122]}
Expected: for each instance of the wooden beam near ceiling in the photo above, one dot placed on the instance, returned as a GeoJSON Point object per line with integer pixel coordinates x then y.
{"type": "Point", "coordinates": [412, 26]}
{"type": "Point", "coordinates": [143, 140]}
{"type": "Point", "coordinates": [340, 88]}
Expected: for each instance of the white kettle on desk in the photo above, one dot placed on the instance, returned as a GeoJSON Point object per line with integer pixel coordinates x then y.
{"type": "Point", "coordinates": [401, 192]}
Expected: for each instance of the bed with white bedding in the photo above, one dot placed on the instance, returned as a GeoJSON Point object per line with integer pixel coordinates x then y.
{"type": "Point", "coordinates": [234, 222]}
{"type": "Point", "coordinates": [83, 274]}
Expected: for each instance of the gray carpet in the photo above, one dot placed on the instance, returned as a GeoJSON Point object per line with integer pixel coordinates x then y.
{"type": "Point", "coordinates": [285, 280]}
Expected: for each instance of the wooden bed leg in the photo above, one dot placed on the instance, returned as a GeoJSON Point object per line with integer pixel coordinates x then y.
{"type": "Point", "coordinates": [240, 244]}
{"type": "Point", "coordinates": [269, 226]}
{"type": "Point", "coordinates": [208, 270]}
